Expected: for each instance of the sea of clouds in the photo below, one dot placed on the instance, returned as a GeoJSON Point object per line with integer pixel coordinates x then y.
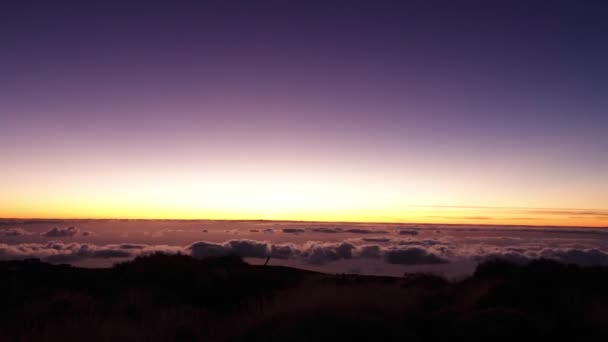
{"type": "Point", "coordinates": [318, 245]}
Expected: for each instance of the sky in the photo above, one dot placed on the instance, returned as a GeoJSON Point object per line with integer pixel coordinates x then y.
{"type": "Point", "coordinates": [378, 111]}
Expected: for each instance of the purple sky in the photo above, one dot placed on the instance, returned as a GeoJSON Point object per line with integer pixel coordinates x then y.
{"type": "Point", "coordinates": [424, 103]}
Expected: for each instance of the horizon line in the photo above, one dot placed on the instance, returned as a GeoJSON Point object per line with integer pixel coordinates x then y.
{"type": "Point", "coordinates": [299, 221]}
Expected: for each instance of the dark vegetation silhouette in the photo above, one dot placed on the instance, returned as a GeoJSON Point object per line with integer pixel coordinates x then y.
{"type": "Point", "coordinates": [178, 298]}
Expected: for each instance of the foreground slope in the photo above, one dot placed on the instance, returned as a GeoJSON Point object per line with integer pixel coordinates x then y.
{"type": "Point", "coordinates": [178, 298]}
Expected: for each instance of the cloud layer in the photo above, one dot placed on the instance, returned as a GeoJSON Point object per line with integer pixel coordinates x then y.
{"type": "Point", "coordinates": [400, 246]}
{"type": "Point", "coordinates": [312, 252]}
{"type": "Point", "coordinates": [61, 252]}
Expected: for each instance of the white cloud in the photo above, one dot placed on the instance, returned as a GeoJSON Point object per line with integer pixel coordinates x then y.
{"type": "Point", "coordinates": [322, 252]}
{"type": "Point", "coordinates": [58, 251]}
{"type": "Point", "coordinates": [376, 239]}
{"type": "Point", "coordinates": [404, 251]}
{"type": "Point", "coordinates": [318, 253]}
{"type": "Point", "coordinates": [14, 232]}
{"type": "Point", "coordinates": [293, 230]}
{"type": "Point", "coordinates": [61, 232]}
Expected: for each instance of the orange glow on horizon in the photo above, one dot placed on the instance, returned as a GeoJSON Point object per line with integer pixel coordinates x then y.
{"type": "Point", "coordinates": [294, 194]}
{"type": "Point", "coordinates": [426, 215]}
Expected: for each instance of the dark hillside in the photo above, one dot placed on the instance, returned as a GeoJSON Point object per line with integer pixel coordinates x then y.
{"type": "Point", "coordinates": [164, 298]}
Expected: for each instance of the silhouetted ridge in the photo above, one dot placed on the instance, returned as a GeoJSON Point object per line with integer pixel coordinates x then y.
{"type": "Point", "coordinates": [162, 297]}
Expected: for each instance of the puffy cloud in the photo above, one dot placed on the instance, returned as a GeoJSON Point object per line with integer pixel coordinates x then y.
{"type": "Point", "coordinates": [395, 250]}
{"type": "Point", "coordinates": [408, 232]}
{"type": "Point", "coordinates": [423, 242]}
{"type": "Point", "coordinates": [369, 251]}
{"type": "Point", "coordinates": [365, 231]}
{"type": "Point", "coordinates": [579, 256]}
{"type": "Point", "coordinates": [14, 232]}
{"type": "Point", "coordinates": [58, 251]}
{"type": "Point", "coordinates": [569, 231]}
{"type": "Point", "coordinates": [412, 256]}
{"type": "Point", "coordinates": [511, 256]}
{"type": "Point", "coordinates": [327, 230]}
{"type": "Point", "coordinates": [84, 251]}
{"type": "Point", "coordinates": [293, 230]}
{"type": "Point", "coordinates": [203, 249]}
{"type": "Point", "coordinates": [438, 242]}
{"type": "Point", "coordinates": [321, 253]}
{"type": "Point", "coordinates": [317, 253]}
{"type": "Point", "coordinates": [61, 232]}
{"type": "Point", "coordinates": [544, 231]}
{"type": "Point", "coordinates": [248, 248]}
{"type": "Point", "coordinates": [312, 252]}
{"type": "Point", "coordinates": [243, 248]}
{"type": "Point", "coordinates": [165, 231]}
{"type": "Point", "coordinates": [348, 230]}
{"type": "Point", "coordinates": [132, 246]}
{"type": "Point", "coordinates": [284, 251]}
{"type": "Point", "coordinates": [377, 239]}
{"type": "Point", "coordinates": [586, 257]}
